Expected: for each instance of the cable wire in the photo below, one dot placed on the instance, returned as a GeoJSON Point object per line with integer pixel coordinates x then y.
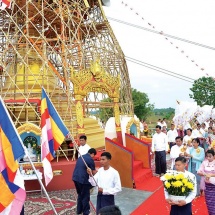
{"type": "Point", "coordinates": [159, 68]}
{"type": "Point", "coordinates": [161, 33]}
{"type": "Point", "coordinates": [167, 72]}
{"type": "Point", "coordinates": [153, 68]}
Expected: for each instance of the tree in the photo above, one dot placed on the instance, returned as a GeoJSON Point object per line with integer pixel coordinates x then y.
{"type": "Point", "coordinates": [203, 91]}
{"type": "Point", "coordinates": [142, 107]}
{"type": "Point", "coordinates": [106, 113]}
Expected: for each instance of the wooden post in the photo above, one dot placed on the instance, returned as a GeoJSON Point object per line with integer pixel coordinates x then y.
{"type": "Point", "coordinates": [117, 120]}
{"type": "Point", "coordinates": [79, 114]}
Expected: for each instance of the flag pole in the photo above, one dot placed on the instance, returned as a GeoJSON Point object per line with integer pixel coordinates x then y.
{"type": "Point", "coordinates": [76, 146]}
{"type": "Point", "coordinates": [26, 153]}
{"type": "Point", "coordinates": [40, 181]}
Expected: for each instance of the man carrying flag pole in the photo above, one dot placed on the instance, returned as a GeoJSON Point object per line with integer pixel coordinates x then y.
{"type": "Point", "coordinates": [12, 191]}
{"type": "Point", "coordinates": [53, 134]}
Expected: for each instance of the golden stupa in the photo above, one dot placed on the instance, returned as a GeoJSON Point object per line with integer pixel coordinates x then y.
{"type": "Point", "coordinates": [69, 48]}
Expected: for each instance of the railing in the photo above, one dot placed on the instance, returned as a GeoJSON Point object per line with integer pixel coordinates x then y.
{"type": "Point", "coordinates": [140, 149]}
{"type": "Point", "coordinates": [122, 161]}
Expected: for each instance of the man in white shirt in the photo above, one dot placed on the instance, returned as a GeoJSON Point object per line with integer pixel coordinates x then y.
{"type": "Point", "coordinates": [159, 122]}
{"type": "Point", "coordinates": [164, 122]}
{"type": "Point", "coordinates": [160, 147]}
{"type": "Point", "coordinates": [187, 140]}
{"type": "Point", "coordinates": [108, 181]}
{"type": "Point", "coordinates": [198, 132]}
{"type": "Point", "coordinates": [177, 150]}
{"type": "Point", "coordinates": [172, 134]}
{"type": "Point", "coordinates": [182, 207]}
{"type": "Point", "coordinates": [84, 147]}
{"type": "Point", "coordinates": [185, 127]}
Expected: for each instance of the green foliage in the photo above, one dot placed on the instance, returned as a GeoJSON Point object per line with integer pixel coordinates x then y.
{"type": "Point", "coordinates": [203, 91]}
{"type": "Point", "coordinates": [142, 107]}
{"type": "Point", "coordinates": [106, 113]}
{"type": "Point", "coordinates": [167, 113]}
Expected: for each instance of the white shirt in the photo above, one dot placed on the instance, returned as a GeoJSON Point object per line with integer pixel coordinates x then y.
{"type": "Point", "coordinates": [175, 152]}
{"type": "Point", "coordinates": [207, 124]}
{"type": "Point", "coordinates": [159, 123]}
{"type": "Point", "coordinates": [160, 142]}
{"type": "Point", "coordinates": [172, 134]}
{"type": "Point", "coordinates": [163, 124]}
{"type": "Point", "coordinates": [198, 133]}
{"type": "Point", "coordinates": [83, 149]}
{"type": "Point", "coordinates": [192, 194]}
{"type": "Point", "coordinates": [109, 180]}
{"type": "Point", "coordinates": [187, 139]}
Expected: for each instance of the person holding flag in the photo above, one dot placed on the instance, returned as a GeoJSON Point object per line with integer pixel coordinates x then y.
{"type": "Point", "coordinates": [80, 178]}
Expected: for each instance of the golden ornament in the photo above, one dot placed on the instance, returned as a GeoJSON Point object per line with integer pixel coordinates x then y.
{"type": "Point", "coordinates": [198, 150]}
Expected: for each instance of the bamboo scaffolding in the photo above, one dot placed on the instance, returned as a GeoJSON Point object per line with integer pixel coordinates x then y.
{"type": "Point", "coordinates": [41, 40]}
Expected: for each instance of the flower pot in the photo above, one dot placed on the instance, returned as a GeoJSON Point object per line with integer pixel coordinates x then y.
{"type": "Point", "coordinates": [176, 198]}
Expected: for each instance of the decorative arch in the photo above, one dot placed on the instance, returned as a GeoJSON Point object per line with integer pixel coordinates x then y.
{"type": "Point", "coordinates": [130, 123]}
{"type": "Point", "coordinates": [30, 134]}
{"type": "Point", "coordinates": [95, 79]}
{"type": "Point", "coordinates": [29, 127]}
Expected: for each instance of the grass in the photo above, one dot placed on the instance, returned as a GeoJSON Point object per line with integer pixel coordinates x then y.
{"type": "Point", "coordinates": [152, 120]}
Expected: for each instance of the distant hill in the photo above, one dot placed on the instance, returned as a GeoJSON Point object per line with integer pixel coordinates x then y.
{"type": "Point", "coordinates": [165, 112]}
{"type": "Point", "coordinates": [160, 113]}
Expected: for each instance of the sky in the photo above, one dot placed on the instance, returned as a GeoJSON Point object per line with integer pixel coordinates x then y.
{"type": "Point", "coordinates": [192, 20]}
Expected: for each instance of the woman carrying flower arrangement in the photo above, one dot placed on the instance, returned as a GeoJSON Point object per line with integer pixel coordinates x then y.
{"type": "Point", "coordinates": [197, 155]}
{"type": "Point", "coordinates": [179, 188]}
{"type": "Point", "coordinates": [207, 169]}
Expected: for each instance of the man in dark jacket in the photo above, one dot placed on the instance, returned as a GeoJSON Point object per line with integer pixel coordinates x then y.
{"type": "Point", "coordinates": [80, 178]}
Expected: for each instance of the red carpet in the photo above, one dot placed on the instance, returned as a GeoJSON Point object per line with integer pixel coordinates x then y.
{"type": "Point", "coordinates": [152, 184]}
{"type": "Point", "coordinates": [156, 205]}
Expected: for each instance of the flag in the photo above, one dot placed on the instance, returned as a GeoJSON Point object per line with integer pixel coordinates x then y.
{"type": "Point", "coordinates": [5, 4]}
{"type": "Point", "coordinates": [12, 191]}
{"type": "Point", "coordinates": [53, 134]}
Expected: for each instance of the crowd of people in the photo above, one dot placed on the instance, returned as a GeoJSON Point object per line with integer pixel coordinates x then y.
{"type": "Point", "coordinates": [191, 151]}
{"type": "Point", "coordinates": [196, 147]}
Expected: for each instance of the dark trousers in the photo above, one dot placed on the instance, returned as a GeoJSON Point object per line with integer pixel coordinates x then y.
{"type": "Point", "coordinates": [83, 205]}
{"type": "Point", "coordinates": [160, 162]}
{"type": "Point", "coordinates": [22, 212]}
{"type": "Point", "coordinates": [104, 200]}
{"type": "Point", "coordinates": [181, 210]}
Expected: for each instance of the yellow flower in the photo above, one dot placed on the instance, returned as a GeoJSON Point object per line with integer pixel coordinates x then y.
{"type": "Point", "coordinates": [168, 176]}
{"type": "Point", "coordinates": [190, 185]}
{"type": "Point", "coordinates": [167, 184]}
{"type": "Point", "coordinates": [179, 176]}
{"type": "Point", "coordinates": [182, 189]}
{"type": "Point", "coordinates": [177, 184]}
{"type": "Point", "coordinates": [185, 181]}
